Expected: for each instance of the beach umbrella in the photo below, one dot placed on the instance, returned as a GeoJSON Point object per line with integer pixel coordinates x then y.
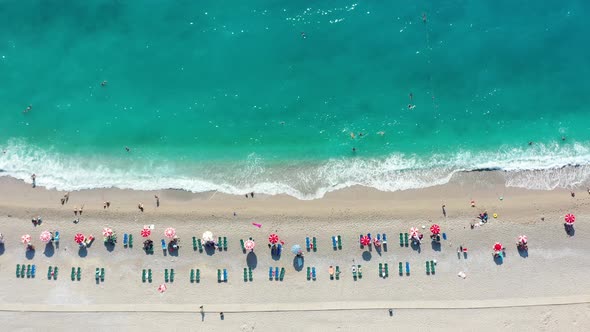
{"type": "Point", "coordinates": [45, 236]}
{"type": "Point", "coordinates": [522, 239]}
{"type": "Point", "coordinates": [170, 232]}
{"type": "Point", "coordinates": [414, 231]}
{"type": "Point", "coordinates": [208, 237]}
{"type": "Point", "coordinates": [296, 249]}
{"type": "Point", "coordinates": [249, 245]}
{"type": "Point", "coordinates": [570, 218]}
{"type": "Point", "coordinates": [162, 288]}
{"type": "Point", "coordinates": [25, 239]}
{"type": "Point", "coordinates": [273, 238]}
{"type": "Point", "coordinates": [365, 240]}
{"type": "Point", "coordinates": [107, 231]}
{"type": "Point", "coordinates": [497, 246]}
{"type": "Point", "coordinates": [376, 242]}
{"type": "Point", "coordinates": [435, 229]}
{"type": "Point", "coordinates": [79, 238]}
{"type": "Point", "coordinates": [146, 232]}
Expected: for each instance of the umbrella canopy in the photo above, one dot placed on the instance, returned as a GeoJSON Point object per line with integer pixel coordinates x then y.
{"type": "Point", "coordinates": [365, 240]}
{"type": "Point", "coordinates": [146, 232]}
{"type": "Point", "coordinates": [376, 242]}
{"type": "Point", "coordinates": [79, 238]}
{"type": "Point", "coordinates": [296, 249]}
{"type": "Point", "coordinates": [414, 231]}
{"type": "Point", "coordinates": [208, 237]}
{"type": "Point", "coordinates": [435, 229]}
{"type": "Point", "coordinates": [522, 239]}
{"type": "Point", "coordinates": [497, 246]}
{"type": "Point", "coordinates": [170, 232]}
{"type": "Point", "coordinates": [25, 239]}
{"type": "Point", "coordinates": [162, 288]}
{"type": "Point", "coordinates": [249, 245]}
{"type": "Point", "coordinates": [107, 231]}
{"type": "Point", "coordinates": [273, 238]}
{"type": "Point", "coordinates": [45, 236]}
{"type": "Point", "coordinates": [570, 218]}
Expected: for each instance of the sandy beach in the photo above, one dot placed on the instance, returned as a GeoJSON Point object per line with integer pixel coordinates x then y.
{"type": "Point", "coordinates": [542, 291]}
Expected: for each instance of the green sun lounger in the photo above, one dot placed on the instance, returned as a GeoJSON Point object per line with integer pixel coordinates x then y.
{"type": "Point", "coordinates": [194, 243]}
{"type": "Point", "coordinates": [354, 273]}
{"type": "Point", "coordinates": [250, 273]}
{"type": "Point", "coordinates": [79, 274]}
{"type": "Point", "coordinates": [308, 273]}
{"type": "Point", "coordinates": [315, 244]}
{"type": "Point", "coordinates": [200, 245]}
{"type": "Point", "coordinates": [143, 275]}
{"type": "Point", "coordinates": [171, 275]}
{"type": "Point", "coordinates": [406, 242]}
{"type": "Point", "coordinates": [55, 270]}
{"type": "Point", "coordinates": [225, 243]}
{"type": "Point", "coordinates": [219, 244]}
{"type": "Point", "coordinates": [401, 239]}
{"type": "Point", "coordinates": [18, 270]}
{"type": "Point", "coordinates": [97, 274]}
{"type": "Point", "coordinates": [73, 276]}
{"type": "Point", "coordinates": [427, 267]}
{"type": "Point", "coordinates": [432, 267]}
{"type": "Point", "coordinates": [218, 275]}
{"type": "Point", "coordinates": [49, 269]}
{"type": "Point", "coordinates": [380, 270]}
{"type": "Point", "coordinates": [337, 272]}
{"type": "Point", "coordinates": [198, 275]}
{"type": "Point", "coordinates": [245, 274]}
{"type": "Point", "coordinates": [28, 270]}
{"type": "Point", "coordinates": [339, 242]}
{"type": "Point", "coordinates": [242, 245]}
{"type": "Point", "coordinates": [150, 275]}
{"type": "Point", "coordinates": [166, 278]}
{"type": "Point", "coordinates": [282, 274]}
{"type": "Point", "coordinates": [22, 271]}
{"type": "Point", "coordinates": [130, 241]}
{"type": "Point", "coordinates": [401, 269]}
{"type": "Point", "coordinates": [102, 274]}
{"type": "Point", "coordinates": [192, 275]}
{"type": "Point", "coordinates": [360, 272]}
{"type": "Point", "coordinates": [386, 270]}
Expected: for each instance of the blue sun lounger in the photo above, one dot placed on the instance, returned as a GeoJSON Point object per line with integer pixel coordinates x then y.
{"type": "Point", "coordinates": [225, 275]}
{"type": "Point", "coordinates": [125, 238]}
{"type": "Point", "coordinates": [163, 244]}
{"type": "Point", "coordinates": [313, 273]}
{"type": "Point", "coordinates": [334, 243]}
{"type": "Point", "coordinates": [307, 246]}
{"type": "Point", "coordinates": [277, 273]}
{"type": "Point", "coordinates": [384, 238]}
{"type": "Point", "coordinates": [270, 273]}
{"type": "Point", "coordinates": [33, 270]}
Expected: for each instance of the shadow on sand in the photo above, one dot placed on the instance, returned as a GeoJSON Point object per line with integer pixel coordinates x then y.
{"type": "Point", "coordinates": [367, 256]}
{"type": "Point", "coordinates": [251, 260]}
{"type": "Point", "coordinates": [49, 250]}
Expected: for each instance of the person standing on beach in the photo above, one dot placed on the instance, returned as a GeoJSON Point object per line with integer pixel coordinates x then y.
{"type": "Point", "coordinates": [76, 211]}
{"type": "Point", "coordinates": [444, 211]}
{"type": "Point", "coordinates": [34, 178]}
{"type": "Point", "coordinates": [157, 200]}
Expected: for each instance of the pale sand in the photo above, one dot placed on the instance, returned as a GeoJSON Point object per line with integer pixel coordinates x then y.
{"type": "Point", "coordinates": [548, 288]}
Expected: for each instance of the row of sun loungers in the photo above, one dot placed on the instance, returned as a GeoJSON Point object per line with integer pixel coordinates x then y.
{"type": "Point", "coordinates": [169, 277]}
{"type": "Point", "coordinates": [311, 274]}
{"type": "Point", "coordinates": [274, 274]}
{"type": "Point", "coordinates": [195, 275]}
{"type": "Point", "coordinates": [383, 270]}
{"type": "Point", "coordinates": [128, 240]}
{"type": "Point", "coordinates": [29, 271]}
{"type": "Point", "coordinates": [221, 275]}
{"type": "Point", "coordinates": [430, 267]}
{"type": "Point", "coordinates": [76, 274]}
{"type": "Point", "coordinates": [311, 244]}
{"type": "Point", "coordinates": [337, 242]}
{"type": "Point", "coordinates": [146, 275]}
{"type": "Point", "coordinates": [99, 274]}
{"type": "Point", "coordinates": [357, 272]}
{"type": "Point", "coordinates": [404, 239]}
{"type": "Point", "coordinates": [247, 274]}
{"type": "Point", "coordinates": [52, 272]}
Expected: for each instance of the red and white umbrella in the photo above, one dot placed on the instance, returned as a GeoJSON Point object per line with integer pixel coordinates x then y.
{"type": "Point", "coordinates": [435, 229]}
{"type": "Point", "coordinates": [79, 238]}
{"type": "Point", "coordinates": [522, 239]}
{"type": "Point", "coordinates": [376, 242]}
{"type": "Point", "coordinates": [45, 236]}
{"type": "Point", "coordinates": [497, 246]}
{"type": "Point", "coordinates": [162, 288]}
{"type": "Point", "coordinates": [365, 240]}
{"type": "Point", "coordinates": [249, 245]}
{"type": "Point", "coordinates": [107, 231]}
{"type": "Point", "coordinates": [146, 232]}
{"type": "Point", "coordinates": [170, 232]}
{"type": "Point", "coordinates": [273, 238]}
{"type": "Point", "coordinates": [570, 218]}
{"type": "Point", "coordinates": [414, 232]}
{"type": "Point", "coordinates": [26, 239]}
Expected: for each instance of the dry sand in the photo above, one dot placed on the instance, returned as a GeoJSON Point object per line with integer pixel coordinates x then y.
{"type": "Point", "coordinates": [545, 291]}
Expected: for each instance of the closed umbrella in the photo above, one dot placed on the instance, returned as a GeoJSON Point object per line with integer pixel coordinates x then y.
{"type": "Point", "coordinates": [273, 238]}
{"type": "Point", "coordinates": [170, 232]}
{"type": "Point", "coordinates": [45, 236]}
{"type": "Point", "coordinates": [435, 229]}
{"type": "Point", "coordinates": [249, 245]}
{"type": "Point", "coordinates": [296, 249]}
{"type": "Point", "coordinates": [522, 239]}
{"type": "Point", "coordinates": [26, 239]}
{"type": "Point", "coordinates": [208, 237]}
{"type": "Point", "coordinates": [365, 240]}
{"type": "Point", "coordinates": [107, 231]}
{"type": "Point", "coordinates": [79, 238]}
{"type": "Point", "coordinates": [146, 232]}
{"type": "Point", "coordinates": [570, 219]}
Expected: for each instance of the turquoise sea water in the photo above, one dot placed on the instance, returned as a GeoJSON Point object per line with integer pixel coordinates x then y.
{"type": "Point", "coordinates": [238, 96]}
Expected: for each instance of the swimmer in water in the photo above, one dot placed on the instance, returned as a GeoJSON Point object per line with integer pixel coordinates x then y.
{"type": "Point", "coordinates": [563, 138]}
{"type": "Point", "coordinates": [352, 136]}
{"type": "Point", "coordinates": [103, 83]}
{"type": "Point", "coordinates": [411, 96]}
{"type": "Point", "coordinates": [127, 149]}
{"type": "Point", "coordinates": [411, 107]}
{"type": "Point", "coordinates": [30, 107]}
{"type": "Point", "coordinates": [424, 17]}
{"type": "Point", "coordinates": [531, 143]}
{"type": "Point", "coordinates": [303, 35]}
{"type": "Point", "coordinates": [381, 133]}
{"type": "Point", "coordinates": [353, 150]}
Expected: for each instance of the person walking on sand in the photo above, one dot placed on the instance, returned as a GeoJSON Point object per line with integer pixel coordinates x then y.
{"type": "Point", "coordinates": [157, 200]}
{"type": "Point", "coordinates": [140, 207]}
{"type": "Point", "coordinates": [67, 196]}
{"type": "Point", "coordinates": [34, 178]}
{"type": "Point", "coordinates": [81, 209]}
{"type": "Point", "coordinates": [76, 211]}
{"type": "Point", "coordinates": [444, 211]}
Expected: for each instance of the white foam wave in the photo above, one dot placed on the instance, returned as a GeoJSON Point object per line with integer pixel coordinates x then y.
{"type": "Point", "coordinates": [538, 167]}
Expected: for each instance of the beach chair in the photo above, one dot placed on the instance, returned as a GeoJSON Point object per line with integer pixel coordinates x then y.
{"type": "Point", "coordinates": [130, 240]}
{"type": "Point", "coordinates": [369, 236]}
{"type": "Point", "coordinates": [102, 274]}
{"type": "Point", "coordinates": [219, 243]}
{"type": "Point", "coordinates": [73, 275]}
{"type": "Point", "coordinates": [218, 275]}
{"type": "Point", "coordinates": [143, 275]}
{"type": "Point", "coordinates": [33, 271]}
{"type": "Point", "coordinates": [49, 272]}
{"type": "Point", "coordinates": [18, 270]}
{"type": "Point", "coordinates": [171, 275]}
{"type": "Point", "coordinates": [22, 271]}
{"type": "Point", "coordinates": [384, 237]}
{"type": "Point", "coordinates": [360, 272]}
{"type": "Point", "coordinates": [192, 276]}
{"type": "Point", "coordinates": [55, 271]}
{"type": "Point", "coordinates": [225, 243]}
{"type": "Point", "coordinates": [28, 270]}
{"type": "Point", "coordinates": [250, 273]}
{"type": "Point", "coordinates": [245, 274]}
{"type": "Point", "coordinates": [308, 273]}
{"type": "Point", "coordinates": [163, 244]}
{"type": "Point", "coordinates": [432, 267]}
{"type": "Point", "coordinates": [270, 273]}
{"type": "Point", "coordinates": [406, 242]}
{"type": "Point", "coordinates": [79, 274]}
{"type": "Point", "coordinates": [282, 274]}
{"type": "Point", "coordinates": [200, 245]}
{"type": "Point", "coordinates": [166, 276]}
{"type": "Point", "coordinates": [315, 244]}
{"type": "Point", "coordinates": [194, 243]}
{"type": "Point", "coordinates": [331, 272]}
{"type": "Point", "coordinates": [401, 239]}
{"type": "Point", "coordinates": [225, 275]}
{"type": "Point", "coordinates": [307, 245]}
{"type": "Point", "coordinates": [334, 245]}
{"type": "Point", "coordinates": [313, 273]}
{"type": "Point", "coordinates": [427, 267]}
{"type": "Point", "coordinates": [386, 267]}
{"type": "Point", "coordinates": [125, 239]}
{"type": "Point", "coordinates": [150, 275]}
{"type": "Point", "coordinates": [354, 272]}
{"type": "Point", "coordinates": [407, 268]}
{"type": "Point", "coordinates": [339, 242]}
{"type": "Point", "coordinates": [378, 237]}
{"type": "Point", "coordinates": [242, 245]}
{"type": "Point", "coordinates": [380, 270]}
{"type": "Point", "coordinates": [198, 275]}
{"type": "Point", "coordinates": [401, 269]}
{"type": "Point", "coordinates": [337, 272]}
{"type": "Point", "coordinates": [97, 274]}
{"type": "Point", "coordinates": [277, 273]}
{"type": "Point", "coordinates": [360, 243]}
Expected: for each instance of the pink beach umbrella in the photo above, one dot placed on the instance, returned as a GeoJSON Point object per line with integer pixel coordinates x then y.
{"type": "Point", "coordinates": [376, 242]}
{"type": "Point", "coordinates": [273, 238]}
{"type": "Point", "coordinates": [365, 240]}
{"type": "Point", "coordinates": [26, 239]}
{"type": "Point", "coordinates": [522, 239]}
{"type": "Point", "coordinates": [497, 246]}
{"type": "Point", "coordinates": [146, 232]}
{"type": "Point", "coordinates": [79, 238]}
{"type": "Point", "coordinates": [162, 288]}
{"type": "Point", "coordinates": [170, 232]}
{"type": "Point", "coordinates": [107, 231]}
{"type": "Point", "coordinates": [249, 245]}
{"type": "Point", "coordinates": [45, 236]}
{"type": "Point", "coordinates": [435, 229]}
{"type": "Point", "coordinates": [414, 232]}
{"type": "Point", "coordinates": [570, 218]}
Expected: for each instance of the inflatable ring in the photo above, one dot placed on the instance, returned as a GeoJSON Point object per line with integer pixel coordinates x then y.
{"type": "Point", "coordinates": [495, 215]}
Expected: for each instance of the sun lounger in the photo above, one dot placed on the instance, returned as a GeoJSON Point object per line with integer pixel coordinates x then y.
{"type": "Point", "coordinates": [242, 245]}
{"type": "Point", "coordinates": [22, 271]}
{"type": "Point", "coordinates": [427, 267]}
{"type": "Point", "coordinates": [130, 240]}
{"type": "Point", "coordinates": [308, 273]}
{"type": "Point", "coordinates": [384, 237]}
{"type": "Point", "coordinates": [386, 267]}
{"type": "Point", "coordinates": [150, 275]}
{"type": "Point", "coordinates": [143, 275]}
{"type": "Point", "coordinates": [102, 274]}
{"type": "Point", "coordinates": [334, 245]}
{"type": "Point", "coordinates": [33, 271]}
{"type": "Point", "coordinates": [194, 243]}
{"type": "Point", "coordinates": [360, 272]}
{"type": "Point", "coordinates": [282, 275]}
{"type": "Point", "coordinates": [277, 273]}
{"type": "Point", "coordinates": [250, 273]}
{"type": "Point", "coordinates": [97, 274]}
{"type": "Point", "coordinates": [219, 243]}
{"type": "Point", "coordinates": [79, 274]}
{"type": "Point", "coordinates": [307, 244]}
{"type": "Point", "coordinates": [200, 245]}
{"type": "Point", "coordinates": [270, 273]}
{"type": "Point", "coordinates": [313, 273]}
{"type": "Point", "coordinates": [73, 275]}
{"type": "Point", "coordinates": [163, 244]}
{"type": "Point", "coordinates": [49, 272]}
{"type": "Point", "coordinates": [225, 243]}
{"type": "Point", "coordinates": [401, 239]}
{"type": "Point", "coordinates": [125, 239]}
{"type": "Point", "coordinates": [28, 270]}
{"type": "Point", "coordinates": [360, 238]}
{"type": "Point", "coordinates": [166, 276]}
{"type": "Point", "coordinates": [401, 269]}
{"type": "Point", "coordinates": [380, 269]}
{"type": "Point", "coordinates": [337, 272]}
{"type": "Point", "coordinates": [378, 237]}
{"type": "Point", "coordinates": [315, 244]}
{"type": "Point", "coordinates": [408, 268]}
{"type": "Point", "coordinates": [18, 270]}
{"type": "Point", "coordinates": [218, 275]}
{"type": "Point", "coordinates": [432, 267]}
{"type": "Point", "coordinates": [171, 275]}
{"type": "Point", "coordinates": [406, 239]}
{"type": "Point", "coordinates": [354, 272]}
{"type": "Point", "coordinates": [331, 272]}
{"type": "Point", "coordinates": [192, 276]}
{"type": "Point", "coordinates": [55, 270]}
{"type": "Point", "coordinates": [198, 275]}
{"type": "Point", "coordinates": [339, 242]}
{"type": "Point", "coordinates": [245, 274]}
{"type": "Point", "coordinates": [225, 275]}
